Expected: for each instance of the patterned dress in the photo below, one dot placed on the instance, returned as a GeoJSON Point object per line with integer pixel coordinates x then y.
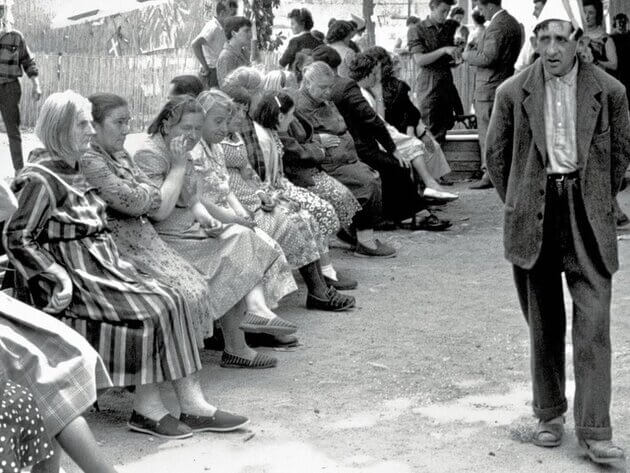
{"type": "Point", "coordinates": [142, 329]}
{"type": "Point", "coordinates": [24, 441]}
{"type": "Point", "coordinates": [55, 363]}
{"type": "Point", "coordinates": [295, 230]}
{"type": "Point", "coordinates": [321, 210]}
{"type": "Point", "coordinates": [130, 196]}
{"type": "Point", "coordinates": [232, 263]}
{"type": "Point", "coordinates": [214, 186]}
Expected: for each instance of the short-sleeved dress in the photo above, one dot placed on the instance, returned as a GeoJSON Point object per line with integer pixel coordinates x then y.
{"type": "Point", "coordinates": [272, 150]}
{"type": "Point", "coordinates": [294, 229]}
{"type": "Point", "coordinates": [232, 263]}
{"type": "Point", "coordinates": [214, 186]}
{"type": "Point", "coordinates": [24, 441]}
{"type": "Point", "coordinates": [55, 363]}
{"type": "Point", "coordinates": [131, 196]}
{"type": "Point", "coordinates": [141, 328]}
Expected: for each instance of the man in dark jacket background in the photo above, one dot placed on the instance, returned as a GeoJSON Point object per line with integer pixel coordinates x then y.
{"type": "Point", "coordinates": [494, 57]}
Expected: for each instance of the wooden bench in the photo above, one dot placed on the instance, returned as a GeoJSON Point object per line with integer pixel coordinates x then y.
{"type": "Point", "coordinates": [463, 154]}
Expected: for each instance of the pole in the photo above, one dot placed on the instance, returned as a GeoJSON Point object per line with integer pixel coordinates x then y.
{"type": "Point", "coordinates": [368, 11]}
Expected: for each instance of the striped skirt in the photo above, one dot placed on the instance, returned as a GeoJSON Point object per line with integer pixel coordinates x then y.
{"type": "Point", "coordinates": [142, 329]}
{"type": "Point", "coordinates": [55, 363]}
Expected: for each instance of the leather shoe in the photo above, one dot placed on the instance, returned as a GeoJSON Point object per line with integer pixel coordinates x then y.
{"type": "Point", "coordinates": [343, 283]}
{"type": "Point", "coordinates": [220, 422]}
{"type": "Point", "coordinates": [602, 452]}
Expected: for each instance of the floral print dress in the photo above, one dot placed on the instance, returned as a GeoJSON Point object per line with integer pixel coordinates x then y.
{"type": "Point", "coordinates": [294, 229]}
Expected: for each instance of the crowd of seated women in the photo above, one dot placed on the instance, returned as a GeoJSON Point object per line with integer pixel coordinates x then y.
{"type": "Point", "coordinates": [144, 256]}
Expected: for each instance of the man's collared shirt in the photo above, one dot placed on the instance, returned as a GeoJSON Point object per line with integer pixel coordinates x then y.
{"type": "Point", "coordinates": [231, 57]}
{"type": "Point", "coordinates": [215, 40]}
{"type": "Point", "coordinates": [560, 122]}
{"type": "Point", "coordinates": [428, 36]}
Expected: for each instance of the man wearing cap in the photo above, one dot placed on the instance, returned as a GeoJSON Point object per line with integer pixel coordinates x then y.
{"type": "Point", "coordinates": [558, 176]}
{"type": "Point", "coordinates": [15, 57]}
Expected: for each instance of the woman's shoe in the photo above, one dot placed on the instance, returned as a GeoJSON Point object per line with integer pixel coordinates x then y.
{"type": "Point", "coordinates": [381, 251]}
{"type": "Point", "coordinates": [271, 341]}
{"type": "Point", "coordinates": [260, 361]}
{"type": "Point", "coordinates": [334, 301]}
{"type": "Point", "coordinates": [168, 427]}
{"type": "Point", "coordinates": [429, 224]}
{"type": "Point", "coordinates": [443, 196]}
{"type": "Point", "coordinates": [254, 323]}
{"type": "Point", "coordinates": [220, 422]}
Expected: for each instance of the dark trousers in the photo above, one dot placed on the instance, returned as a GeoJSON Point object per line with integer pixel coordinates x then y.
{"type": "Point", "coordinates": [10, 95]}
{"type": "Point", "coordinates": [569, 246]}
{"type": "Point", "coordinates": [483, 111]}
{"type": "Point", "coordinates": [400, 193]}
{"type": "Point", "coordinates": [365, 185]}
{"type": "Point", "coordinates": [210, 80]}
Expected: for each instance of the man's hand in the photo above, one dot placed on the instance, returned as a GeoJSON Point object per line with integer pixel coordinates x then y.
{"type": "Point", "coordinates": [329, 141]}
{"type": "Point", "coordinates": [37, 90]}
{"type": "Point", "coordinates": [449, 50]}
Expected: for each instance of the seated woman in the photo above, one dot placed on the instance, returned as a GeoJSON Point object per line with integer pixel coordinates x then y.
{"type": "Point", "coordinates": [244, 272]}
{"type": "Point", "coordinates": [49, 377]}
{"type": "Point", "coordinates": [132, 199]}
{"type": "Point", "coordinates": [295, 231]}
{"type": "Point", "coordinates": [244, 86]}
{"type": "Point", "coordinates": [303, 155]}
{"type": "Point", "coordinates": [59, 239]}
{"type": "Point", "coordinates": [366, 71]}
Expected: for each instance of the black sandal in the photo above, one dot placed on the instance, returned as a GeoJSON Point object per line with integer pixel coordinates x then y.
{"type": "Point", "coordinates": [429, 224]}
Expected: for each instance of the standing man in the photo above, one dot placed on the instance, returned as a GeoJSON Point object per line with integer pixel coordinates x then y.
{"type": "Point", "coordinates": [494, 57]}
{"type": "Point", "coordinates": [237, 49]}
{"type": "Point", "coordinates": [432, 44]}
{"type": "Point", "coordinates": [621, 37]}
{"type": "Point", "coordinates": [558, 147]}
{"type": "Point", "coordinates": [14, 57]}
{"type": "Point", "coordinates": [209, 44]}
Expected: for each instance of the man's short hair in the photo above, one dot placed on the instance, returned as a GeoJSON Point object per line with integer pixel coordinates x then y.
{"type": "Point", "coordinates": [486, 2]}
{"type": "Point", "coordinates": [361, 66]}
{"type": "Point", "coordinates": [541, 1]}
{"type": "Point", "coordinates": [325, 53]}
{"type": "Point", "coordinates": [437, 3]}
{"type": "Point", "coordinates": [412, 20]}
{"type": "Point", "coordinates": [478, 17]}
{"type": "Point", "coordinates": [233, 24]}
{"type": "Point", "coordinates": [187, 85]}
{"type": "Point", "coordinates": [457, 11]}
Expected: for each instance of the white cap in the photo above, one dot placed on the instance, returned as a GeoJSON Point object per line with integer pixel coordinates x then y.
{"type": "Point", "coordinates": [562, 10]}
{"type": "Point", "coordinates": [358, 20]}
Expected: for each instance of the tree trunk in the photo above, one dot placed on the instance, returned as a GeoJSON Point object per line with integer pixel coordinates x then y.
{"type": "Point", "coordinates": [368, 11]}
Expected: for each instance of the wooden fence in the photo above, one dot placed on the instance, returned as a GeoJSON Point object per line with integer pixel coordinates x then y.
{"type": "Point", "coordinates": [144, 80]}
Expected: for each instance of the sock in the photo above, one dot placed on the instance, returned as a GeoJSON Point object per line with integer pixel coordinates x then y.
{"type": "Point", "coordinates": [329, 272]}
{"type": "Point", "coordinates": [191, 398]}
{"type": "Point", "coordinates": [148, 402]}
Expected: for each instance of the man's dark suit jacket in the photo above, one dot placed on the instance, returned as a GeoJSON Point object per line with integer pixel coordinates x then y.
{"type": "Point", "coordinates": [495, 55]}
{"type": "Point", "coordinates": [517, 158]}
{"type": "Point", "coordinates": [297, 44]}
{"type": "Point", "coordinates": [365, 126]}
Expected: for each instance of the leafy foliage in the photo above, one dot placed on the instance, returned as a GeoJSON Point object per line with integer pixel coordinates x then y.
{"type": "Point", "coordinates": [260, 12]}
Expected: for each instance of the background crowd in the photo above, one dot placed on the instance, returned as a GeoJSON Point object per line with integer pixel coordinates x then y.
{"type": "Point", "coordinates": [192, 239]}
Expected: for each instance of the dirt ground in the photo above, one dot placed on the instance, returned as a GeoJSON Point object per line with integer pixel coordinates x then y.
{"type": "Point", "coordinates": [429, 374]}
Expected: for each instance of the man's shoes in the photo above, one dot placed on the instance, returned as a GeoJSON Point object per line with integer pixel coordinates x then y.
{"type": "Point", "coordinates": [602, 452]}
{"type": "Point", "coordinates": [381, 251]}
{"type": "Point", "coordinates": [549, 434]}
{"type": "Point", "coordinates": [622, 220]}
{"type": "Point", "coordinates": [343, 283]}
{"type": "Point", "coordinates": [385, 226]}
{"type": "Point", "coordinates": [168, 427]}
{"type": "Point", "coordinates": [430, 224]}
{"type": "Point", "coordinates": [483, 183]}
{"type": "Point", "coordinates": [220, 422]}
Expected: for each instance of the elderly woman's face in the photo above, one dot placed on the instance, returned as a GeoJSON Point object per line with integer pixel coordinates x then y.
{"type": "Point", "coordinates": [83, 131]}
{"type": "Point", "coordinates": [321, 89]}
{"type": "Point", "coordinates": [111, 134]}
{"type": "Point", "coordinates": [215, 126]}
{"type": "Point", "coordinates": [189, 126]}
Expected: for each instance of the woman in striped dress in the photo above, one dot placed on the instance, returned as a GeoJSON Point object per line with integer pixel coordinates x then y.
{"type": "Point", "coordinates": [58, 239]}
